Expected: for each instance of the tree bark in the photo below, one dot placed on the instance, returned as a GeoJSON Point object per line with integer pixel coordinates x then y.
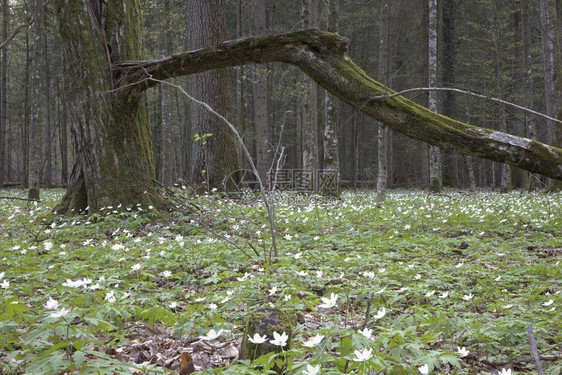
{"type": "Point", "coordinates": [331, 165]}
{"type": "Point", "coordinates": [36, 120]}
{"type": "Point", "coordinates": [382, 136]}
{"type": "Point", "coordinates": [261, 95]}
{"type": "Point", "coordinates": [435, 173]}
{"type": "Point", "coordinates": [215, 160]}
{"type": "Point", "coordinates": [527, 78]}
{"type": "Point", "coordinates": [310, 157]}
{"type": "Point", "coordinates": [324, 57]}
{"type": "Point", "coordinates": [112, 149]}
{"type": "Point", "coordinates": [3, 92]}
{"type": "Point", "coordinates": [166, 167]}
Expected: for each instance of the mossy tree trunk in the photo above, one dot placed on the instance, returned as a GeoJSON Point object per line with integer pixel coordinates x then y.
{"type": "Point", "coordinates": [113, 154]}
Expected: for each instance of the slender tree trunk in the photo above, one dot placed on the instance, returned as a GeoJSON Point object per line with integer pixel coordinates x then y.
{"type": "Point", "coordinates": [3, 92]}
{"type": "Point", "coordinates": [504, 169]}
{"type": "Point", "coordinates": [26, 117]}
{"type": "Point", "coordinates": [332, 127]}
{"type": "Point", "coordinates": [384, 67]}
{"type": "Point", "coordinates": [214, 160]}
{"type": "Point", "coordinates": [527, 80]}
{"type": "Point", "coordinates": [450, 169]}
{"type": "Point", "coordinates": [47, 164]}
{"type": "Point", "coordinates": [36, 123]}
{"type": "Point", "coordinates": [310, 159]}
{"type": "Point", "coordinates": [261, 98]}
{"type": "Point", "coordinates": [63, 136]}
{"type": "Point", "coordinates": [550, 38]}
{"type": "Point", "coordinates": [166, 167]}
{"type": "Point", "coordinates": [435, 174]}
{"type": "Point", "coordinates": [354, 150]}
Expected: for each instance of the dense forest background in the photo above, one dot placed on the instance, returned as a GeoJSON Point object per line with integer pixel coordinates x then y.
{"type": "Point", "coordinates": [482, 47]}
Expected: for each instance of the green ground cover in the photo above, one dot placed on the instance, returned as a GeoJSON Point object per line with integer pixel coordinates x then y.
{"type": "Point", "coordinates": [442, 283]}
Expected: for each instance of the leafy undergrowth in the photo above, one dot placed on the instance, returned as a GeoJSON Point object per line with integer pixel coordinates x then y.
{"type": "Point", "coordinates": [445, 284]}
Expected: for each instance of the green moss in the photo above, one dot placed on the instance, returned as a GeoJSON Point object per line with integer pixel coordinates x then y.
{"type": "Point", "coordinates": [265, 322]}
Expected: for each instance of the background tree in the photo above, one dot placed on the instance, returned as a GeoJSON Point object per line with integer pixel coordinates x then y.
{"type": "Point", "coordinates": [310, 158]}
{"type": "Point", "coordinates": [332, 118]}
{"type": "Point", "coordinates": [215, 158]}
{"type": "Point", "coordinates": [435, 167]}
{"type": "Point", "coordinates": [3, 85]}
{"type": "Point", "coordinates": [384, 77]}
{"type": "Point", "coordinates": [36, 120]}
{"type": "Point", "coordinates": [261, 96]}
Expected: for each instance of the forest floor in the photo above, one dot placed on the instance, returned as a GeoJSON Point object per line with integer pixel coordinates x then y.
{"type": "Point", "coordinates": [444, 283]}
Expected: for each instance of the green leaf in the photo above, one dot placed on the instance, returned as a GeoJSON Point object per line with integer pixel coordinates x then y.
{"type": "Point", "coordinates": [78, 358]}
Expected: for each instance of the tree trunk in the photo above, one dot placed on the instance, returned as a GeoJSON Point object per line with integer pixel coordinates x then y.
{"type": "Point", "coordinates": [310, 158]}
{"type": "Point", "coordinates": [166, 167]}
{"type": "Point", "coordinates": [550, 37]}
{"type": "Point", "coordinates": [450, 169]}
{"type": "Point", "coordinates": [527, 80]}
{"type": "Point", "coordinates": [331, 165]}
{"type": "Point", "coordinates": [36, 120]}
{"type": "Point", "coordinates": [382, 136]}
{"type": "Point", "coordinates": [435, 174]}
{"type": "Point", "coordinates": [215, 159]}
{"type": "Point", "coordinates": [3, 92]}
{"type": "Point", "coordinates": [504, 170]}
{"type": "Point", "coordinates": [113, 149]}
{"type": "Point", "coordinates": [63, 136]}
{"type": "Point", "coordinates": [261, 98]}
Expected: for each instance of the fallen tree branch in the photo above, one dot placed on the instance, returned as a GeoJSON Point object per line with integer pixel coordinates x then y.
{"type": "Point", "coordinates": [323, 56]}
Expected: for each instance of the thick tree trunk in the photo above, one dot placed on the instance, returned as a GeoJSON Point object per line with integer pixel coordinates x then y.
{"type": "Point", "coordinates": [113, 149]}
{"type": "Point", "coordinates": [215, 160]}
{"type": "Point", "coordinates": [324, 57]}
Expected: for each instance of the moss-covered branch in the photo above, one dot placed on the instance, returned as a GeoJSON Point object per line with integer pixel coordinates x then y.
{"type": "Point", "coordinates": [323, 56]}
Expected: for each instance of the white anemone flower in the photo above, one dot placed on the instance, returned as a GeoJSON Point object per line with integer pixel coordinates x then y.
{"type": "Point", "coordinates": [51, 304]}
{"type": "Point", "coordinates": [211, 335]}
{"type": "Point", "coordinates": [311, 370]}
{"type": "Point", "coordinates": [368, 333]}
{"type": "Point", "coordinates": [313, 341]}
{"type": "Point", "coordinates": [279, 339]}
{"type": "Point", "coordinates": [329, 302]}
{"type": "Point", "coordinates": [363, 355]}
{"type": "Point", "coordinates": [60, 313]}
{"type": "Point", "coordinates": [462, 351]}
{"type": "Point", "coordinates": [380, 313]}
{"type": "Point", "coordinates": [424, 370]}
{"type": "Point", "coordinates": [257, 339]}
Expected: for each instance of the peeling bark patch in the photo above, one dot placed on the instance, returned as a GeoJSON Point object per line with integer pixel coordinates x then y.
{"type": "Point", "coordinates": [510, 139]}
